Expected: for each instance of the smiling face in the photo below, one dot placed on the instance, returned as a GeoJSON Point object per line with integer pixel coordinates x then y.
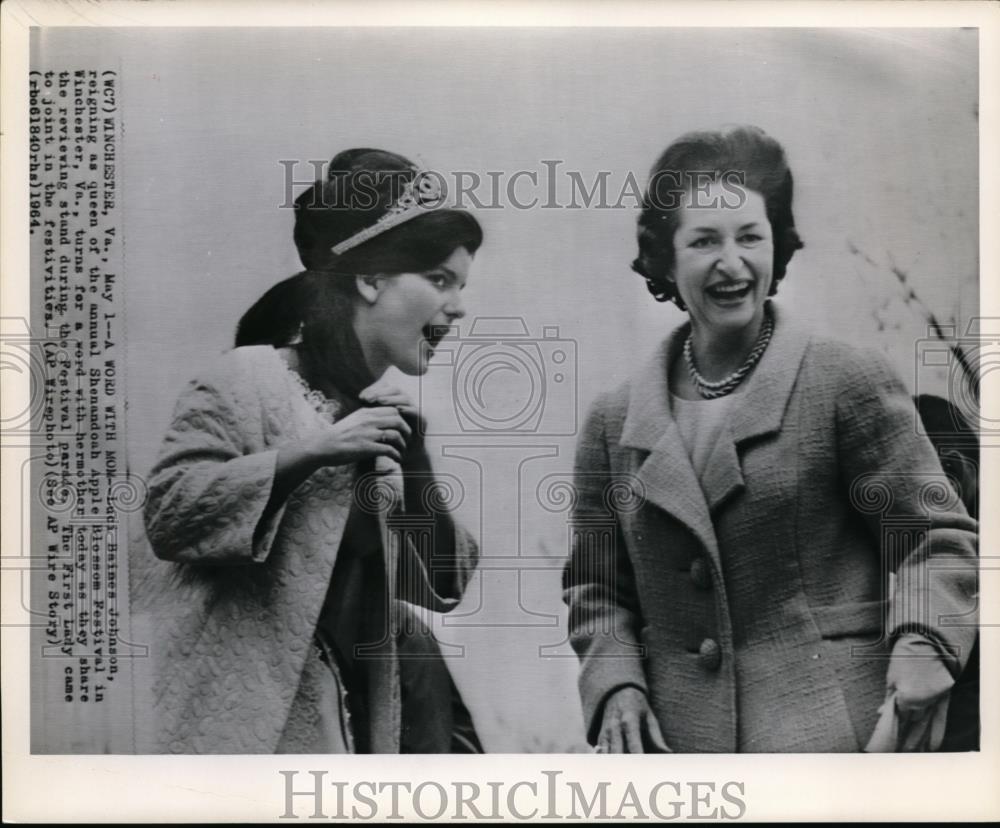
{"type": "Point", "coordinates": [401, 318]}
{"type": "Point", "coordinates": [724, 257]}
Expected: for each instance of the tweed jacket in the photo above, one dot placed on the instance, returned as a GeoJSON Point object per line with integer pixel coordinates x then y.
{"type": "Point", "coordinates": [233, 605]}
{"type": "Point", "coordinates": [753, 605]}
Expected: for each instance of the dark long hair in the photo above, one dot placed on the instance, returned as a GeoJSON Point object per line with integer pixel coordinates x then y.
{"type": "Point", "coordinates": [747, 151]}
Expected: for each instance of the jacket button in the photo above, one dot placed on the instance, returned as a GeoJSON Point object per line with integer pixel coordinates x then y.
{"type": "Point", "coordinates": [701, 577]}
{"type": "Point", "coordinates": [710, 654]}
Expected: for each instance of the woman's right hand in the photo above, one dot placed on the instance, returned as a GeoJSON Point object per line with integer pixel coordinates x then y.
{"type": "Point", "coordinates": [378, 431]}
{"type": "Point", "coordinates": [629, 726]}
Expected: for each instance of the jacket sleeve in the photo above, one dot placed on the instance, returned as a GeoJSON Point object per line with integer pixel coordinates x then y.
{"type": "Point", "coordinates": [599, 583]}
{"type": "Point", "coordinates": [896, 482]}
{"type": "Point", "coordinates": [208, 490]}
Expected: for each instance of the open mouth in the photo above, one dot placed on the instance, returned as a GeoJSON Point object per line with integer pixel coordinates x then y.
{"type": "Point", "coordinates": [433, 334]}
{"type": "Point", "coordinates": [730, 291]}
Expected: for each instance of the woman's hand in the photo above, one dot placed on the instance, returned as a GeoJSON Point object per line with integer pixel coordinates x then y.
{"type": "Point", "coordinates": [379, 431]}
{"type": "Point", "coordinates": [375, 432]}
{"type": "Point", "coordinates": [629, 726]}
{"type": "Point", "coordinates": [917, 674]}
{"type": "Point", "coordinates": [385, 392]}
{"type": "Point", "coordinates": [915, 711]}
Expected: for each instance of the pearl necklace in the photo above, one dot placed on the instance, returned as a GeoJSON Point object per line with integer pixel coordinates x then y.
{"type": "Point", "coordinates": [714, 390]}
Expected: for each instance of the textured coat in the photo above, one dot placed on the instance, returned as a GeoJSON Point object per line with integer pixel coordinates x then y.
{"type": "Point", "coordinates": [233, 606]}
{"type": "Point", "coordinates": [753, 605]}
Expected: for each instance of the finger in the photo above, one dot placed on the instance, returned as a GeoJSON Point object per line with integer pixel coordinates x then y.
{"type": "Point", "coordinates": [615, 737]}
{"type": "Point", "coordinates": [633, 736]}
{"type": "Point", "coordinates": [394, 399]}
{"type": "Point", "coordinates": [380, 386]}
{"type": "Point", "coordinates": [387, 450]}
{"type": "Point", "coordinates": [404, 428]}
{"type": "Point", "coordinates": [386, 395]}
{"type": "Point", "coordinates": [379, 413]}
{"type": "Point", "coordinates": [393, 438]}
{"type": "Point", "coordinates": [654, 735]}
{"type": "Point", "coordinates": [375, 415]}
{"type": "Point", "coordinates": [386, 418]}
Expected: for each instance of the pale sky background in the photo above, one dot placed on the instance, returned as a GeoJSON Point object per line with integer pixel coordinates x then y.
{"type": "Point", "coordinates": [881, 133]}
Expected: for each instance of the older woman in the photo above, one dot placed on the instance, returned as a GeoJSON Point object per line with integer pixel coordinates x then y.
{"type": "Point", "coordinates": [774, 480]}
{"type": "Point", "coordinates": [293, 499]}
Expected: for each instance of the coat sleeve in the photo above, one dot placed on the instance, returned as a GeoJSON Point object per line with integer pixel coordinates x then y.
{"type": "Point", "coordinates": [599, 583]}
{"type": "Point", "coordinates": [208, 489]}
{"type": "Point", "coordinates": [896, 482]}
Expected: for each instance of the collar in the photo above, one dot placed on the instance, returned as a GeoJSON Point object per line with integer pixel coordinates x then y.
{"type": "Point", "coordinates": [763, 402]}
{"type": "Point", "coordinates": [665, 473]}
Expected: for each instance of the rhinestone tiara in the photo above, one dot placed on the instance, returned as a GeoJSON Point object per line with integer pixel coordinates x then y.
{"type": "Point", "coordinates": [420, 195]}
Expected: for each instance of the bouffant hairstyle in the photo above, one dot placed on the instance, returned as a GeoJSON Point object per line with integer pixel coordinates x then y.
{"type": "Point", "coordinates": [318, 303]}
{"type": "Point", "coordinates": [745, 154]}
{"type": "Point", "coordinates": [360, 186]}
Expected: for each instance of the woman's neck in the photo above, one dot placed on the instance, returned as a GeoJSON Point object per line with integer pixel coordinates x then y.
{"type": "Point", "coordinates": [293, 359]}
{"type": "Point", "coordinates": [718, 354]}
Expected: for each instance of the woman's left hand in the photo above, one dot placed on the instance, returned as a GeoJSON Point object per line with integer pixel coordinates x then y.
{"type": "Point", "coordinates": [915, 711]}
{"type": "Point", "coordinates": [917, 674]}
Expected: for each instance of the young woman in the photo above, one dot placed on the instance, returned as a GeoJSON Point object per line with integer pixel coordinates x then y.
{"type": "Point", "coordinates": [296, 505]}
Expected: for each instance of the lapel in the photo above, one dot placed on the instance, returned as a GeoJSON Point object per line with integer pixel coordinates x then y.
{"type": "Point", "coordinates": [762, 409]}
{"type": "Point", "coordinates": [665, 473]}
